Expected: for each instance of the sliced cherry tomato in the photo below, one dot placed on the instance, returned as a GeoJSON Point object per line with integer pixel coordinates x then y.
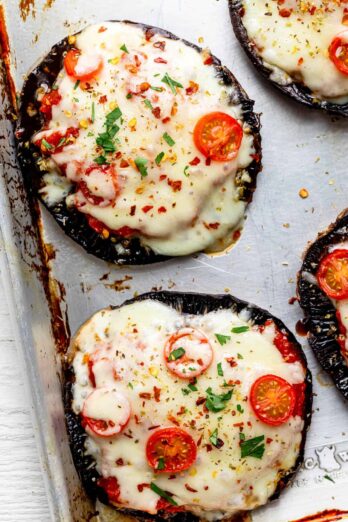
{"type": "Point", "coordinates": [82, 67]}
{"type": "Point", "coordinates": [272, 399]}
{"type": "Point", "coordinates": [333, 274]}
{"type": "Point", "coordinates": [100, 370]}
{"type": "Point", "coordinates": [218, 136]}
{"type": "Point", "coordinates": [49, 99]}
{"type": "Point", "coordinates": [105, 399]}
{"type": "Point", "coordinates": [111, 487]}
{"type": "Point", "coordinates": [54, 142]}
{"type": "Point", "coordinates": [338, 52]}
{"type": "Point", "coordinates": [188, 353]}
{"type": "Point", "coordinates": [170, 450]}
{"type": "Point", "coordinates": [99, 186]}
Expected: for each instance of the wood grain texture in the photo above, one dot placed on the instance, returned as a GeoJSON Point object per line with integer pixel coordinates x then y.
{"type": "Point", "coordinates": [22, 493]}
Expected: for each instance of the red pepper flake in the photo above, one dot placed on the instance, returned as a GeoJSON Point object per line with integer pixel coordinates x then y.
{"type": "Point", "coordinates": [162, 177]}
{"type": "Point", "coordinates": [175, 185]}
{"type": "Point", "coordinates": [103, 99]}
{"type": "Point", "coordinates": [160, 60]}
{"type": "Point", "coordinates": [161, 210]}
{"type": "Point", "coordinates": [160, 45]}
{"type": "Point", "coordinates": [119, 462]}
{"type": "Point", "coordinates": [209, 447]}
{"type": "Point", "coordinates": [249, 424]}
{"type": "Point", "coordinates": [208, 60]}
{"type": "Point", "coordinates": [200, 400]}
{"type": "Point", "coordinates": [190, 489]}
{"type": "Point", "coordinates": [172, 477]}
{"type": "Point", "coordinates": [154, 427]}
{"type": "Point", "coordinates": [137, 420]}
{"type": "Point", "coordinates": [147, 208]}
{"type": "Point", "coordinates": [166, 120]}
{"type": "Point", "coordinates": [181, 411]}
{"type": "Point", "coordinates": [208, 162]}
{"type": "Point", "coordinates": [206, 488]}
{"type": "Point", "coordinates": [312, 9]}
{"type": "Point", "coordinates": [285, 13]}
{"type": "Point", "coordinates": [118, 154]}
{"type": "Point", "coordinates": [269, 440]}
{"type": "Point", "coordinates": [102, 29]}
{"type": "Point", "coordinates": [192, 89]}
{"type": "Point", "coordinates": [172, 419]}
{"type": "Point", "coordinates": [156, 111]}
{"type": "Point", "coordinates": [149, 33]}
{"type": "Point", "coordinates": [132, 210]}
{"type": "Point", "coordinates": [238, 424]}
{"type": "Point", "coordinates": [199, 442]}
{"type": "Point", "coordinates": [214, 226]}
{"type": "Point", "coordinates": [157, 393]}
{"type": "Point", "coordinates": [143, 87]}
{"type": "Point", "coordinates": [145, 395]}
{"type": "Point", "coordinates": [128, 435]}
{"type": "Point", "coordinates": [195, 161]}
{"type": "Point", "coordinates": [236, 235]}
{"type": "Point", "coordinates": [256, 157]}
{"type": "Point", "coordinates": [300, 61]}
{"type": "Point", "coordinates": [142, 486]}
{"type": "Point", "coordinates": [200, 362]}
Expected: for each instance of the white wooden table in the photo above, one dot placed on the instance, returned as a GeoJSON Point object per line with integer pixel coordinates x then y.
{"type": "Point", "coordinates": [22, 493]}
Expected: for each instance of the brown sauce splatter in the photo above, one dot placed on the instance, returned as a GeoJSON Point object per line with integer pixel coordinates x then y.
{"type": "Point", "coordinates": [329, 515]}
{"type": "Point", "coordinates": [27, 7]}
{"type": "Point", "coordinates": [120, 284]}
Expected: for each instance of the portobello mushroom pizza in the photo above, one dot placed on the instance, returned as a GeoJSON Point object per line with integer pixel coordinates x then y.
{"type": "Point", "coordinates": [186, 406]}
{"type": "Point", "coordinates": [140, 144]}
{"type": "Point", "coordinates": [323, 296]}
{"type": "Point", "coordinates": [300, 46]}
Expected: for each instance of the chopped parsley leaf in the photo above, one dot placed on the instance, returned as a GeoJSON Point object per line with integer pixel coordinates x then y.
{"type": "Point", "coordinates": [162, 494]}
{"type": "Point", "coordinates": [186, 171]}
{"type": "Point", "coordinates": [113, 116]}
{"type": "Point", "coordinates": [172, 83]}
{"type": "Point", "coordinates": [240, 329]}
{"type": "Point", "coordinates": [192, 387]}
{"type": "Point", "coordinates": [101, 160]}
{"type": "Point", "coordinates": [148, 104]}
{"type": "Point", "coordinates": [176, 354]}
{"type": "Point", "coordinates": [254, 447]}
{"type": "Point", "coordinates": [158, 89]}
{"type": "Point", "coordinates": [105, 141]}
{"type": "Point", "coordinates": [124, 48]}
{"type": "Point", "coordinates": [160, 463]}
{"type": "Point", "coordinates": [130, 385]}
{"type": "Point", "coordinates": [168, 139]}
{"type": "Point", "coordinates": [220, 370]}
{"type": "Point", "coordinates": [222, 338]}
{"type": "Point", "coordinates": [159, 158]}
{"type": "Point", "coordinates": [141, 166]}
{"type": "Point", "coordinates": [239, 408]}
{"type": "Point", "coordinates": [77, 84]}
{"type": "Point", "coordinates": [217, 402]}
{"type": "Point", "coordinates": [93, 112]}
{"type": "Point", "coordinates": [214, 438]}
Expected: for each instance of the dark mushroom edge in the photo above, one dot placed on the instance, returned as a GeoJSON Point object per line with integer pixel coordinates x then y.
{"type": "Point", "coordinates": [73, 222]}
{"type": "Point", "coordinates": [296, 90]}
{"type": "Point", "coordinates": [188, 303]}
{"type": "Point", "coordinates": [320, 314]}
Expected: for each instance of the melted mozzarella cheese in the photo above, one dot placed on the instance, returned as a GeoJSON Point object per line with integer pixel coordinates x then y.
{"type": "Point", "coordinates": [295, 48]}
{"type": "Point", "coordinates": [172, 221]}
{"type": "Point", "coordinates": [133, 338]}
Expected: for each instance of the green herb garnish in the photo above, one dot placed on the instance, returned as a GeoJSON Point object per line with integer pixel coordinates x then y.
{"type": "Point", "coordinates": [172, 83]}
{"type": "Point", "coordinates": [105, 139]}
{"type": "Point", "coordinates": [47, 145]}
{"type": "Point", "coordinates": [168, 139]}
{"type": "Point", "coordinates": [129, 96]}
{"type": "Point", "coordinates": [93, 112]}
{"type": "Point", "coordinates": [176, 354]}
{"type": "Point", "coordinates": [217, 402]}
{"type": "Point", "coordinates": [329, 478]}
{"type": "Point", "coordinates": [222, 338]}
{"type": "Point", "coordinates": [160, 463]}
{"type": "Point", "coordinates": [220, 370]}
{"type": "Point", "coordinates": [159, 158]}
{"type": "Point", "coordinates": [77, 84]}
{"type": "Point", "coordinates": [240, 356]}
{"type": "Point", "coordinates": [130, 385]}
{"type": "Point", "coordinates": [214, 438]}
{"type": "Point", "coordinates": [124, 48]}
{"type": "Point", "coordinates": [240, 329]}
{"type": "Point", "coordinates": [186, 171]}
{"type": "Point", "coordinates": [192, 387]}
{"type": "Point", "coordinates": [158, 89]}
{"type": "Point", "coordinates": [61, 142]}
{"type": "Point", "coordinates": [141, 166]}
{"type": "Point", "coordinates": [148, 104]}
{"type": "Point", "coordinates": [162, 494]}
{"type": "Point", "coordinates": [239, 408]}
{"type": "Point", "coordinates": [101, 160]}
{"type": "Point", "coordinates": [254, 447]}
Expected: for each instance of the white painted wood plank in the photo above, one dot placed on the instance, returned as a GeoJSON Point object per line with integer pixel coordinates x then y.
{"type": "Point", "coordinates": [22, 493]}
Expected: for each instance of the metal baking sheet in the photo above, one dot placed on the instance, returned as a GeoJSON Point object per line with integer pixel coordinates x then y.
{"type": "Point", "coordinates": [302, 149]}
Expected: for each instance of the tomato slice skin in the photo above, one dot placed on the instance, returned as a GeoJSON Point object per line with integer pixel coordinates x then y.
{"type": "Point", "coordinates": [70, 63]}
{"type": "Point", "coordinates": [218, 136]}
{"type": "Point", "coordinates": [173, 447]}
{"type": "Point", "coordinates": [108, 398]}
{"type": "Point", "coordinates": [272, 399]}
{"type": "Point", "coordinates": [197, 356]}
{"type": "Point", "coordinates": [332, 274]}
{"type": "Point", "coordinates": [49, 99]}
{"type": "Point", "coordinates": [338, 52]}
{"type": "Point", "coordinates": [111, 487]}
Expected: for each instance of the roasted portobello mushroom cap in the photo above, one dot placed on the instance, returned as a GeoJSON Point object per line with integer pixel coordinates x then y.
{"type": "Point", "coordinates": [216, 435]}
{"type": "Point", "coordinates": [299, 48]}
{"type": "Point", "coordinates": [105, 140]}
{"type": "Point", "coordinates": [323, 299]}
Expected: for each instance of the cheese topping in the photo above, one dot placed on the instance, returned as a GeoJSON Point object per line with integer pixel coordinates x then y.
{"type": "Point", "coordinates": [131, 341]}
{"type": "Point", "coordinates": [138, 116]}
{"type": "Point", "coordinates": [293, 39]}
